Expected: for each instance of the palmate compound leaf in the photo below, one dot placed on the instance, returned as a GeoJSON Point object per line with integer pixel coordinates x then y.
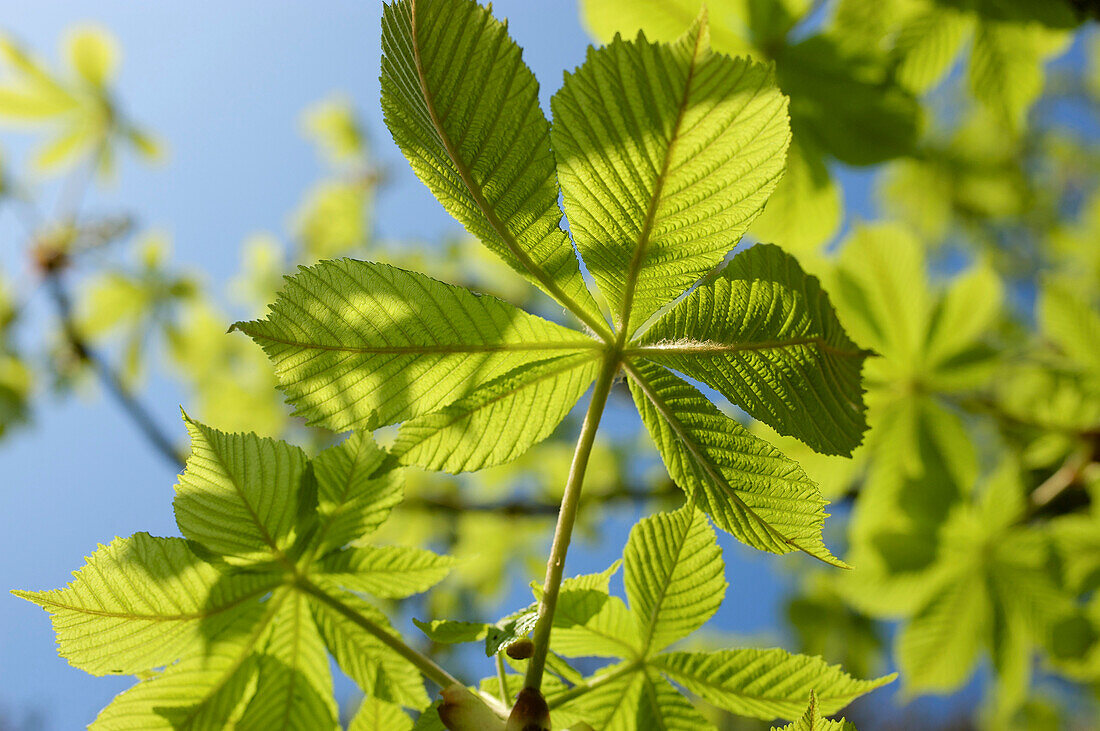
{"type": "Point", "coordinates": [993, 573]}
{"type": "Point", "coordinates": [690, 143]}
{"type": "Point", "coordinates": [245, 642]}
{"type": "Point", "coordinates": [666, 153]}
{"type": "Point", "coordinates": [674, 581]}
{"type": "Point", "coordinates": [357, 344]}
{"type": "Point", "coordinates": [476, 381]}
{"type": "Point", "coordinates": [765, 335]}
{"type": "Point", "coordinates": [463, 107]}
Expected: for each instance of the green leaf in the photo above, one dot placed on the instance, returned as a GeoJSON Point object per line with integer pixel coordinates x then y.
{"type": "Point", "coordinates": [589, 622]}
{"type": "Point", "coordinates": [378, 715]}
{"type": "Point", "coordinates": [238, 496]}
{"type": "Point", "coordinates": [665, 20]}
{"type": "Point", "coordinates": [510, 630]}
{"type": "Point", "coordinates": [207, 690]}
{"type": "Point", "coordinates": [843, 103]}
{"type": "Point", "coordinates": [673, 573]}
{"type": "Point", "coordinates": [450, 631]}
{"type": "Point", "coordinates": [1006, 67]}
{"type": "Point", "coordinates": [333, 125]}
{"type": "Point", "coordinates": [429, 719]}
{"type": "Point", "coordinates": [30, 106]}
{"type": "Point", "coordinates": [377, 669]}
{"type": "Point", "coordinates": [927, 46]}
{"type": "Point", "coordinates": [745, 485]}
{"type": "Point", "coordinates": [392, 572]}
{"type": "Point", "coordinates": [295, 686]}
{"type": "Point", "coordinates": [351, 500]}
{"type": "Point", "coordinates": [938, 648]}
{"type": "Point", "coordinates": [765, 335]}
{"type": "Point", "coordinates": [360, 345]}
{"type": "Point", "coordinates": [955, 352]}
{"type": "Point", "coordinates": [146, 144]}
{"type": "Point", "coordinates": [812, 721]}
{"type": "Point", "coordinates": [1066, 317]}
{"type": "Point", "coordinates": [807, 207]}
{"type": "Point", "coordinates": [141, 602]}
{"type": "Point", "coordinates": [1077, 538]}
{"type": "Point", "coordinates": [638, 699]}
{"type": "Point", "coordinates": [93, 55]}
{"type": "Point", "coordinates": [463, 107]}
{"type": "Point", "coordinates": [34, 93]}
{"type": "Point", "coordinates": [666, 153]}
{"type": "Point", "coordinates": [64, 148]}
{"type": "Point", "coordinates": [499, 421]}
{"type": "Point", "coordinates": [763, 683]}
{"type": "Point", "coordinates": [197, 694]}
{"type": "Point", "coordinates": [877, 262]}
{"type": "Point", "coordinates": [1053, 15]}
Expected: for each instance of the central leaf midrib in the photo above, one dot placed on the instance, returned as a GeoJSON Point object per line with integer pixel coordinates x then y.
{"type": "Point", "coordinates": [160, 617]}
{"type": "Point", "coordinates": [713, 346]}
{"type": "Point", "coordinates": [264, 534]}
{"type": "Point", "coordinates": [579, 344]}
{"type": "Point", "coordinates": [679, 675]}
{"type": "Point", "coordinates": [288, 707]}
{"type": "Point", "coordinates": [652, 625]}
{"type": "Point", "coordinates": [654, 202]}
{"type": "Point", "coordinates": [476, 193]}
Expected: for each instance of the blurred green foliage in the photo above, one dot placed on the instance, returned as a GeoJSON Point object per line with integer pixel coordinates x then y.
{"type": "Point", "coordinates": [971, 513]}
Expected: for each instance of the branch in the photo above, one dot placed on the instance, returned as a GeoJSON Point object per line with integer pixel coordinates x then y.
{"type": "Point", "coordinates": [107, 376]}
{"type": "Point", "coordinates": [623, 493]}
{"type": "Point", "coordinates": [1063, 478]}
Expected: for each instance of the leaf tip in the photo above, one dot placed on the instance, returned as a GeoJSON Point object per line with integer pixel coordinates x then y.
{"type": "Point", "coordinates": [25, 594]}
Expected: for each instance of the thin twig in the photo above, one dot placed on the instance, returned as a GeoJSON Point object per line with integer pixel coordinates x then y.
{"type": "Point", "coordinates": [1064, 477]}
{"type": "Point", "coordinates": [68, 211]}
{"type": "Point", "coordinates": [624, 493]}
{"type": "Point", "coordinates": [107, 376]}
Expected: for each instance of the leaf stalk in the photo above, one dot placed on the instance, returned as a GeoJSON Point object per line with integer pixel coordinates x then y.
{"type": "Point", "coordinates": [567, 516]}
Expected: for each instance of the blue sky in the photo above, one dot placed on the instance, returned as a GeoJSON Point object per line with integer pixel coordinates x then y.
{"type": "Point", "coordinates": [224, 84]}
